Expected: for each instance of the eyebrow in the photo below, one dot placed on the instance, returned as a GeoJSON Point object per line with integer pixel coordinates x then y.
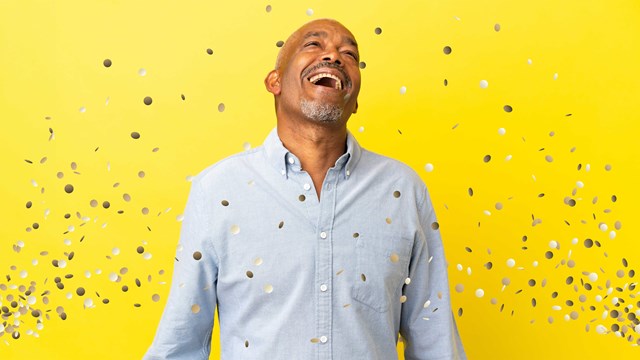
{"type": "Point", "coordinates": [323, 34]}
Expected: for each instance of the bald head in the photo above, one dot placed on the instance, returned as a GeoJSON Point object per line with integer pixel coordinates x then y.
{"type": "Point", "coordinates": [285, 50]}
{"type": "Point", "coordinates": [317, 77]}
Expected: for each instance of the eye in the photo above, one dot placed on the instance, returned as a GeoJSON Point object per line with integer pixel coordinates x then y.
{"type": "Point", "coordinates": [312, 43]}
{"type": "Point", "coordinates": [352, 54]}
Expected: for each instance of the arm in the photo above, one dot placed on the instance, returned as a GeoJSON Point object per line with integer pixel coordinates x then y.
{"type": "Point", "coordinates": [185, 328]}
{"type": "Point", "coordinates": [427, 323]}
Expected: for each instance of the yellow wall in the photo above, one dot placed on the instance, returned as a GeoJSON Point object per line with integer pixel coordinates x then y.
{"type": "Point", "coordinates": [51, 66]}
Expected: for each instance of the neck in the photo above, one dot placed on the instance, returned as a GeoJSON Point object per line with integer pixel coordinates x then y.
{"type": "Point", "coordinates": [317, 146]}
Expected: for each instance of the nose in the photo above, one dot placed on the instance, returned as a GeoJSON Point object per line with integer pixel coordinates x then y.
{"type": "Point", "coordinates": [332, 55]}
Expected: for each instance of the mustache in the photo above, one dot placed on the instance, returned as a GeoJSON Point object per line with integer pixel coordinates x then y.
{"type": "Point", "coordinates": [326, 64]}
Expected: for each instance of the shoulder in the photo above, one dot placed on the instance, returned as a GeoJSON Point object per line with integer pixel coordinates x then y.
{"type": "Point", "coordinates": [229, 168]}
{"type": "Point", "coordinates": [393, 169]}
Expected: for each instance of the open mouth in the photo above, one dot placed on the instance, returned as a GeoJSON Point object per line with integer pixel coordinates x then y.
{"type": "Point", "coordinates": [327, 80]}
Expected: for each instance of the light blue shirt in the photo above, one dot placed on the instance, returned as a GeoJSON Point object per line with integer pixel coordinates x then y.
{"type": "Point", "coordinates": [295, 277]}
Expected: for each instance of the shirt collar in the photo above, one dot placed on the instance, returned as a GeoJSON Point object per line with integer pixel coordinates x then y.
{"type": "Point", "coordinates": [285, 161]}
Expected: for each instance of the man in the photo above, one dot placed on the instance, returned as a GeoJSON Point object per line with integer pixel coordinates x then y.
{"type": "Point", "coordinates": [310, 246]}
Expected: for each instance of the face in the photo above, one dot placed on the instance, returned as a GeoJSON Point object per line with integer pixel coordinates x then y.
{"type": "Point", "coordinates": [318, 74]}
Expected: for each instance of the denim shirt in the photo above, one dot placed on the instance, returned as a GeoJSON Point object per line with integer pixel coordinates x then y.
{"type": "Point", "coordinates": [294, 277]}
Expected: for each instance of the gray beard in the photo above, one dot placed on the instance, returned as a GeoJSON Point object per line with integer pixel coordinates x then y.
{"type": "Point", "coordinates": [319, 112]}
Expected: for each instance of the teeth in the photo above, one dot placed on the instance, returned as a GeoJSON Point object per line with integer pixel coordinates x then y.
{"type": "Point", "coordinates": [315, 79]}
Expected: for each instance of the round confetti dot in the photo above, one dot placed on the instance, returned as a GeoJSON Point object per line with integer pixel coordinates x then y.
{"type": "Point", "coordinates": [106, 204]}
{"type": "Point", "coordinates": [195, 308]}
{"type": "Point", "coordinates": [511, 263]}
{"type": "Point", "coordinates": [221, 107]}
{"type": "Point", "coordinates": [447, 50]}
{"type": "Point", "coordinates": [588, 243]}
{"type": "Point", "coordinates": [142, 72]}
{"type": "Point", "coordinates": [197, 255]}
{"type": "Point", "coordinates": [135, 135]}
{"type": "Point", "coordinates": [147, 100]}
{"type": "Point", "coordinates": [224, 203]}
{"type": "Point", "coordinates": [363, 277]}
{"type": "Point", "coordinates": [140, 250]}
{"type": "Point", "coordinates": [80, 291]}
{"type": "Point", "coordinates": [396, 194]}
{"type": "Point", "coordinates": [257, 261]}
{"type": "Point", "coordinates": [486, 158]}
{"type": "Point", "coordinates": [107, 63]}
{"type": "Point", "coordinates": [210, 51]}
{"type": "Point", "coordinates": [479, 293]}
{"type": "Point", "coordinates": [68, 188]}
{"type": "Point", "coordinates": [593, 277]}
{"type": "Point", "coordinates": [394, 258]}
{"type": "Point", "coordinates": [388, 220]}
{"type": "Point", "coordinates": [281, 225]}
{"type": "Point", "coordinates": [115, 251]}
{"type": "Point", "coordinates": [88, 303]}
{"type": "Point", "coordinates": [279, 43]}
{"type": "Point", "coordinates": [428, 167]}
{"type": "Point", "coordinates": [268, 288]}
{"type": "Point", "coordinates": [484, 84]}
{"type": "Point", "coordinates": [499, 206]}
{"type": "Point", "coordinates": [249, 274]}
{"type": "Point", "coordinates": [141, 174]}
{"type": "Point", "coordinates": [459, 288]}
{"type": "Point", "coordinates": [502, 131]}
{"type": "Point", "coordinates": [403, 299]}
{"type": "Point", "coordinates": [496, 27]}
{"type": "Point", "coordinates": [235, 229]}
{"type": "Point", "coordinates": [377, 31]}
{"type": "Point", "coordinates": [309, 12]}
{"type": "Point", "coordinates": [362, 65]}
{"type": "Point", "coordinates": [155, 297]}
{"type": "Point", "coordinates": [302, 198]}
{"type": "Point", "coordinates": [508, 108]}
{"type": "Point", "coordinates": [403, 90]}
{"type": "Point", "coordinates": [268, 8]}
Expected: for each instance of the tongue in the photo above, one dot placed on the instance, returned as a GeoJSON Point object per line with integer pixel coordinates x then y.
{"type": "Point", "coordinates": [327, 81]}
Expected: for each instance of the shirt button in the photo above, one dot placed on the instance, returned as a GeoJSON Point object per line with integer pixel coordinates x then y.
{"type": "Point", "coordinates": [323, 339]}
{"type": "Point", "coordinates": [323, 235]}
{"type": "Point", "coordinates": [306, 186]}
{"type": "Point", "coordinates": [328, 186]}
{"type": "Point", "coordinates": [283, 172]}
{"type": "Point", "coordinates": [348, 172]}
{"type": "Point", "coordinates": [291, 160]}
{"type": "Point", "coordinates": [323, 287]}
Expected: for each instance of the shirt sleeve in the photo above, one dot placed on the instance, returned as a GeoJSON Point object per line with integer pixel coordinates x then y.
{"type": "Point", "coordinates": [185, 328]}
{"type": "Point", "coordinates": [427, 323]}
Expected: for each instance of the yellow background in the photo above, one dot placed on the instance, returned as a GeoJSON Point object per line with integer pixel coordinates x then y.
{"type": "Point", "coordinates": [51, 66]}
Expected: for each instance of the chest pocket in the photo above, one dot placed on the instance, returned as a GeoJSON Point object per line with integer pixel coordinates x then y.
{"type": "Point", "coordinates": [382, 265]}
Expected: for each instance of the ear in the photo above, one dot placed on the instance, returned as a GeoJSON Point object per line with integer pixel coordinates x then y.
{"type": "Point", "coordinates": [356, 109]}
{"type": "Point", "coordinates": [272, 82]}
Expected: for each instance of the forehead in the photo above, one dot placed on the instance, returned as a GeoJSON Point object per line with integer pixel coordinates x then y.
{"type": "Point", "coordinates": [325, 29]}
